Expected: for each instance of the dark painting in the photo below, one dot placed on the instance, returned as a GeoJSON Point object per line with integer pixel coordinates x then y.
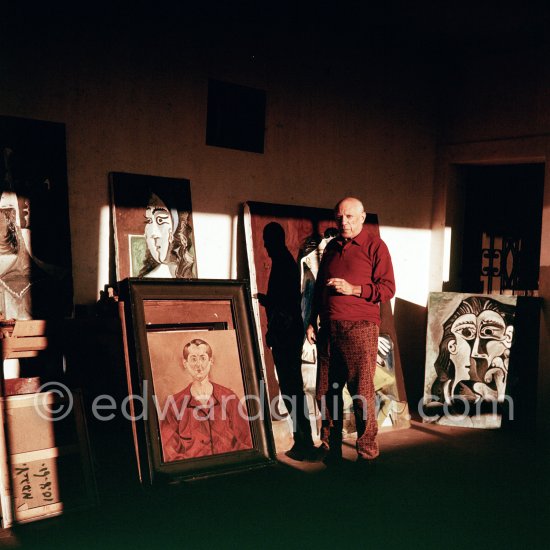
{"type": "Point", "coordinates": [35, 257]}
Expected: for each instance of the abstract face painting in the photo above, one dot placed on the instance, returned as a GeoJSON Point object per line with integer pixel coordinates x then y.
{"type": "Point", "coordinates": [153, 227]}
{"type": "Point", "coordinates": [473, 356]}
{"type": "Point", "coordinates": [480, 353]}
{"type": "Point", "coordinates": [159, 231]}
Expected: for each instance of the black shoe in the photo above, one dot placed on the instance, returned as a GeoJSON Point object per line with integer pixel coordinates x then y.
{"type": "Point", "coordinates": [333, 459]}
{"type": "Point", "coordinates": [300, 453]}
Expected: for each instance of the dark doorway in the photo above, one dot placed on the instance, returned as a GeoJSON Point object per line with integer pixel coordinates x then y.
{"type": "Point", "coordinates": [497, 228]}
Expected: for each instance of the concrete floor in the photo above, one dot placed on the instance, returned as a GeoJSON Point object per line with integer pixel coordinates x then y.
{"type": "Point", "coordinates": [434, 487]}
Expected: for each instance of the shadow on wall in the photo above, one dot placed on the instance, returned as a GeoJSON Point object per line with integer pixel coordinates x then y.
{"type": "Point", "coordinates": [243, 270]}
{"type": "Point", "coordinates": [410, 326]}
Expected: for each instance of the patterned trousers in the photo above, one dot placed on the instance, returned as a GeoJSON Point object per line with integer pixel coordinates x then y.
{"type": "Point", "coordinates": [347, 355]}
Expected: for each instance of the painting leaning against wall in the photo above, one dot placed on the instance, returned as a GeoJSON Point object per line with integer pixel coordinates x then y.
{"type": "Point", "coordinates": [468, 345]}
{"type": "Point", "coordinates": [35, 245]}
{"type": "Point", "coordinates": [153, 227]}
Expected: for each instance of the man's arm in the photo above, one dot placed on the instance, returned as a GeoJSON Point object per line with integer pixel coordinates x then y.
{"type": "Point", "coordinates": [382, 288]}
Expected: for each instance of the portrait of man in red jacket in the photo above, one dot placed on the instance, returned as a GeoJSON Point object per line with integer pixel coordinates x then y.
{"type": "Point", "coordinates": [205, 418]}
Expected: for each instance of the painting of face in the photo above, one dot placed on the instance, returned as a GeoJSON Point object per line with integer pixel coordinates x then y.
{"type": "Point", "coordinates": [153, 226]}
{"type": "Point", "coordinates": [480, 352]}
{"type": "Point", "coordinates": [158, 232]}
{"type": "Point", "coordinates": [474, 348]}
{"type": "Point", "coordinates": [198, 362]}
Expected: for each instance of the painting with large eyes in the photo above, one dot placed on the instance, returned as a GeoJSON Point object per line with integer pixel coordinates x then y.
{"type": "Point", "coordinates": [153, 226]}
{"type": "Point", "coordinates": [35, 245]}
{"type": "Point", "coordinates": [469, 341]}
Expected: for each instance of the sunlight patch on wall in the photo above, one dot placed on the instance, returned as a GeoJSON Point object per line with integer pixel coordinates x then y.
{"type": "Point", "coordinates": [410, 252]}
{"type": "Point", "coordinates": [214, 245]}
{"type": "Point", "coordinates": [446, 254]}
{"type": "Point", "coordinates": [545, 242]}
{"type": "Point", "coordinates": [216, 250]}
{"type": "Point", "coordinates": [103, 248]}
{"type": "Point", "coordinates": [234, 247]}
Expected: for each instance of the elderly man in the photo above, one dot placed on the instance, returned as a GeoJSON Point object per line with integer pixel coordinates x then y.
{"type": "Point", "coordinates": [355, 276]}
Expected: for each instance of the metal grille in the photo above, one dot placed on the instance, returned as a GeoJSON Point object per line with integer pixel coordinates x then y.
{"type": "Point", "coordinates": [500, 261]}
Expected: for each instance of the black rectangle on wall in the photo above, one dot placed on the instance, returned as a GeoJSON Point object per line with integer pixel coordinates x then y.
{"type": "Point", "coordinates": [235, 117]}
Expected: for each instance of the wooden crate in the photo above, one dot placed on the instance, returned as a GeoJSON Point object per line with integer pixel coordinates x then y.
{"type": "Point", "coordinates": [45, 466]}
{"type": "Point", "coordinates": [22, 338]}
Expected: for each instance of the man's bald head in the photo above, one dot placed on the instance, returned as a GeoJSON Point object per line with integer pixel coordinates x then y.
{"type": "Point", "coordinates": [350, 215]}
{"type": "Point", "coordinates": [350, 202]}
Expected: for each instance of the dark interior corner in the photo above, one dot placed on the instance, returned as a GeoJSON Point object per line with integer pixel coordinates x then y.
{"type": "Point", "coordinates": [412, 345]}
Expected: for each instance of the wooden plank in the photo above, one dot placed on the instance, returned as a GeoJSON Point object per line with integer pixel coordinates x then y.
{"type": "Point", "coordinates": [40, 512]}
{"type": "Point", "coordinates": [52, 452]}
{"type": "Point", "coordinates": [32, 400]}
{"type": "Point", "coordinates": [29, 328]}
{"type": "Point", "coordinates": [32, 343]}
{"type": "Point", "coordinates": [21, 386]}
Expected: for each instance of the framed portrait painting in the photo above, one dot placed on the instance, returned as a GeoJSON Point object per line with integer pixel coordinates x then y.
{"type": "Point", "coordinates": [153, 227]}
{"type": "Point", "coordinates": [197, 398]}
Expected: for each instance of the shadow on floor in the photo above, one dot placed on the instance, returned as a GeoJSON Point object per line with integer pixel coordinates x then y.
{"type": "Point", "coordinates": [434, 487]}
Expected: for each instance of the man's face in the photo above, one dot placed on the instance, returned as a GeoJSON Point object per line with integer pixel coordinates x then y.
{"type": "Point", "coordinates": [158, 232]}
{"type": "Point", "coordinates": [198, 362]}
{"type": "Point", "coordinates": [480, 346]}
{"type": "Point", "coordinates": [350, 217]}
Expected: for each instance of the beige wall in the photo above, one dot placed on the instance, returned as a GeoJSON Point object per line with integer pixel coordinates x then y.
{"type": "Point", "coordinates": [136, 102]}
{"type": "Point", "coordinates": [338, 122]}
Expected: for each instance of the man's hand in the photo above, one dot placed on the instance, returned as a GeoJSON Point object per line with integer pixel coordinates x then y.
{"type": "Point", "coordinates": [311, 334]}
{"type": "Point", "coordinates": [343, 287]}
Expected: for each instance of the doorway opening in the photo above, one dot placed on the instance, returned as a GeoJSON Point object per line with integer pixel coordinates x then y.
{"type": "Point", "coordinates": [495, 214]}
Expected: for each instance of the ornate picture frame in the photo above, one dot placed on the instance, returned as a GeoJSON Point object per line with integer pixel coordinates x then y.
{"type": "Point", "coordinates": [197, 398]}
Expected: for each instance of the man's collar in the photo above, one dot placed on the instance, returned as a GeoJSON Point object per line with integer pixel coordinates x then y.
{"type": "Point", "coordinates": [358, 239]}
